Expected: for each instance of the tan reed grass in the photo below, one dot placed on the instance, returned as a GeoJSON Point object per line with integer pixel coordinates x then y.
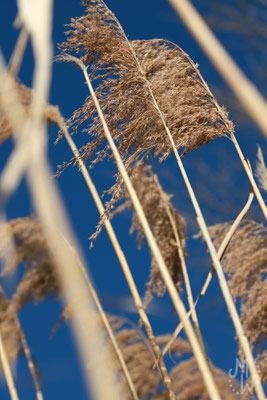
{"type": "Point", "coordinates": [122, 260]}
{"type": "Point", "coordinates": [153, 55]}
{"type": "Point", "coordinates": [154, 202]}
{"type": "Point", "coordinates": [72, 46]}
{"type": "Point", "coordinates": [221, 251]}
{"type": "Point", "coordinates": [245, 264]}
{"type": "Point", "coordinates": [32, 159]}
{"type": "Point", "coordinates": [178, 304]}
{"type": "Point", "coordinates": [7, 371]}
{"type": "Point", "coordinates": [13, 338]}
{"type": "Point", "coordinates": [168, 228]}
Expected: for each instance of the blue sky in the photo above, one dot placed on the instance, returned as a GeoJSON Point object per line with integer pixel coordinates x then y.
{"type": "Point", "coordinates": [56, 358]}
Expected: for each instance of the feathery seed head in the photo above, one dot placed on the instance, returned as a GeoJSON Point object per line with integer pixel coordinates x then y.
{"type": "Point", "coordinates": [155, 203]}
{"type": "Point", "coordinates": [245, 263]}
{"type": "Point", "coordinates": [39, 278]}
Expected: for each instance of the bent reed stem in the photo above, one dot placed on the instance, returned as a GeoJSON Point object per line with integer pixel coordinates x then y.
{"type": "Point", "coordinates": [232, 137]}
{"type": "Point", "coordinates": [216, 262]}
{"type": "Point", "coordinates": [202, 224]}
{"type": "Point", "coordinates": [7, 371]}
{"type": "Point", "coordinates": [186, 281]}
{"type": "Point", "coordinates": [177, 302]}
{"type": "Point", "coordinates": [106, 323]}
{"type": "Point", "coordinates": [123, 262]}
{"type": "Point", "coordinates": [28, 355]}
{"type": "Point", "coordinates": [221, 252]}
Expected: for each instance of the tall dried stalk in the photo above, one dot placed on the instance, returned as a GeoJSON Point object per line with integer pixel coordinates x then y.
{"type": "Point", "coordinates": [122, 260]}
{"type": "Point", "coordinates": [12, 332]}
{"type": "Point", "coordinates": [32, 160]}
{"type": "Point", "coordinates": [168, 228]}
{"type": "Point", "coordinates": [203, 227]}
{"type": "Point", "coordinates": [30, 361]}
{"type": "Point", "coordinates": [108, 328]}
{"type": "Point", "coordinates": [7, 371]}
{"type": "Point", "coordinates": [78, 38]}
{"type": "Point", "coordinates": [18, 52]}
{"type": "Point", "coordinates": [221, 251]}
{"type": "Point", "coordinates": [178, 304]}
{"type": "Point", "coordinates": [186, 280]}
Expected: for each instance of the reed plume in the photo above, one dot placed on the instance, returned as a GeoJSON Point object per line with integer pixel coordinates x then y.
{"type": "Point", "coordinates": [139, 359]}
{"type": "Point", "coordinates": [25, 96]}
{"type": "Point", "coordinates": [154, 202]}
{"type": "Point", "coordinates": [8, 328]}
{"type": "Point", "coordinates": [188, 384]}
{"type": "Point", "coordinates": [113, 63]}
{"type": "Point", "coordinates": [245, 265]}
{"type": "Point", "coordinates": [39, 278]}
{"type": "Point", "coordinates": [186, 378]}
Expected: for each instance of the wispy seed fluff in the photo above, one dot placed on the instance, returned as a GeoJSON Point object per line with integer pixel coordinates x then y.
{"type": "Point", "coordinates": [156, 205]}
{"type": "Point", "coordinates": [245, 263]}
{"type": "Point", "coordinates": [185, 375]}
{"type": "Point", "coordinates": [121, 71]}
{"type": "Point", "coordinates": [9, 329]}
{"type": "Point", "coordinates": [39, 277]}
{"type": "Point", "coordinates": [25, 97]}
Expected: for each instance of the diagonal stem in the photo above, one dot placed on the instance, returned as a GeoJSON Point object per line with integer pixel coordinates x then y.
{"type": "Point", "coordinates": [186, 279]}
{"type": "Point", "coordinates": [106, 323]}
{"type": "Point", "coordinates": [221, 252]}
{"type": "Point", "coordinates": [178, 304]}
{"type": "Point", "coordinates": [7, 371]}
{"type": "Point", "coordinates": [123, 262]}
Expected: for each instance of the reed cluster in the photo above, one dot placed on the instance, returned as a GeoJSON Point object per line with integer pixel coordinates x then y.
{"type": "Point", "coordinates": [147, 102]}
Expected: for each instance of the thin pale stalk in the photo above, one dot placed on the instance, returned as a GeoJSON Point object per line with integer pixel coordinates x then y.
{"type": "Point", "coordinates": [124, 264]}
{"type": "Point", "coordinates": [244, 160]}
{"type": "Point", "coordinates": [28, 355]}
{"type": "Point", "coordinates": [221, 252]}
{"type": "Point", "coordinates": [7, 371]}
{"type": "Point", "coordinates": [250, 176]}
{"type": "Point", "coordinates": [177, 302]}
{"type": "Point", "coordinates": [186, 279]}
{"type": "Point", "coordinates": [251, 99]}
{"type": "Point", "coordinates": [216, 262]}
{"type": "Point", "coordinates": [112, 336]}
{"type": "Point", "coordinates": [18, 52]}
{"type": "Point", "coordinates": [107, 325]}
{"type": "Point", "coordinates": [51, 211]}
{"type": "Point", "coordinates": [222, 281]}
{"type": "Point", "coordinates": [217, 265]}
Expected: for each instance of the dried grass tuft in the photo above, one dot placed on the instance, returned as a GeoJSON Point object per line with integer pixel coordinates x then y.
{"type": "Point", "coordinates": [245, 263]}
{"type": "Point", "coordinates": [139, 359]}
{"type": "Point", "coordinates": [185, 375]}
{"type": "Point", "coordinates": [154, 202]}
{"type": "Point", "coordinates": [25, 96]}
{"type": "Point", "coordinates": [188, 384]}
{"type": "Point", "coordinates": [121, 88]}
{"type": "Point", "coordinates": [39, 278]}
{"type": "Point", "coordinates": [8, 328]}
